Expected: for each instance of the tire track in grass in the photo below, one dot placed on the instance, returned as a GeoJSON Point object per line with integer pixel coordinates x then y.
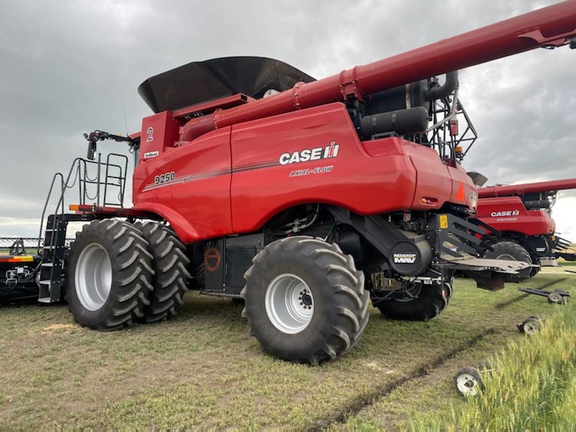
{"type": "Point", "coordinates": [353, 407]}
{"type": "Point", "coordinates": [506, 303]}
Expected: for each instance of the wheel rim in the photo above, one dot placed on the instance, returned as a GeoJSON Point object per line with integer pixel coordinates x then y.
{"type": "Point", "coordinates": [449, 289]}
{"type": "Point", "coordinates": [93, 277]}
{"type": "Point", "coordinates": [411, 293]}
{"type": "Point", "coordinates": [467, 384]}
{"type": "Point", "coordinates": [506, 256]}
{"type": "Point", "coordinates": [289, 303]}
{"type": "Point", "coordinates": [531, 328]}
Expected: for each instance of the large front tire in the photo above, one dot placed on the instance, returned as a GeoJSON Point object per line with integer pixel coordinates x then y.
{"type": "Point", "coordinates": [109, 275]}
{"type": "Point", "coordinates": [170, 265]}
{"type": "Point", "coordinates": [305, 300]}
{"type": "Point", "coordinates": [419, 302]}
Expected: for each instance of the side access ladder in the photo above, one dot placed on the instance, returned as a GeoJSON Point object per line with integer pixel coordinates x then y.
{"type": "Point", "coordinates": [54, 254]}
{"type": "Point", "coordinates": [52, 264]}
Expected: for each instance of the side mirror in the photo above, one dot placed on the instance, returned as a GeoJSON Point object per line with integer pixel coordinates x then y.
{"type": "Point", "coordinates": [91, 150]}
{"type": "Point", "coordinates": [478, 179]}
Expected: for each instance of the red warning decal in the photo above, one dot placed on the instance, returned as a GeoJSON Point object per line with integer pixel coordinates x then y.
{"type": "Point", "coordinates": [460, 194]}
{"type": "Point", "coordinates": [212, 259]}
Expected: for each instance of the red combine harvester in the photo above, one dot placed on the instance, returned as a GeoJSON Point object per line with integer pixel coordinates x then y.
{"type": "Point", "coordinates": [306, 199]}
{"type": "Point", "coordinates": [522, 215]}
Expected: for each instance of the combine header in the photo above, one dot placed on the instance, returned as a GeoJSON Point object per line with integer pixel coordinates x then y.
{"type": "Point", "coordinates": [306, 199]}
{"type": "Point", "coordinates": [17, 270]}
{"type": "Point", "coordinates": [522, 214]}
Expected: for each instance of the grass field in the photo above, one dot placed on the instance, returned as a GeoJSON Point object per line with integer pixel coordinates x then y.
{"type": "Point", "coordinates": [203, 370]}
{"type": "Point", "coordinates": [531, 385]}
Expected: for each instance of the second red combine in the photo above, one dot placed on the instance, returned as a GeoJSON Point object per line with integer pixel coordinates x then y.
{"type": "Point", "coordinates": [522, 214]}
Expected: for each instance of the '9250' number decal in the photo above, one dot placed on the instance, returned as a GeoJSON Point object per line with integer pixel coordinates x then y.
{"type": "Point", "coordinates": [165, 178]}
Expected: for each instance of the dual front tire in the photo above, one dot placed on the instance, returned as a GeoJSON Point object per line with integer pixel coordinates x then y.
{"type": "Point", "coordinates": [119, 273]}
{"type": "Point", "coordinates": [305, 300]}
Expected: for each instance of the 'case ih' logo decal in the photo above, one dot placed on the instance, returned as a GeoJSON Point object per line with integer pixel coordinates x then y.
{"type": "Point", "coordinates": [330, 151]}
{"type": "Point", "coordinates": [505, 213]}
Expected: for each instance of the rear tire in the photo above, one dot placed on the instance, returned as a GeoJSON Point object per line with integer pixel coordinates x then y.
{"type": "Point", "coordinates": [109, 275]}
{"type": "Point", "coordinates": [305, 300]}
{"type": "Point", "coordinates": [508, 250]}
{"type": "Point", "coordinates": [170, 265]}
{"type": "Point", "coordinates": [421, 302]}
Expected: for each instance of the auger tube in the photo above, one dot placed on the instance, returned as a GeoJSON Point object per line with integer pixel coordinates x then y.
{"type": "Point", "coordinates": [549, 27]}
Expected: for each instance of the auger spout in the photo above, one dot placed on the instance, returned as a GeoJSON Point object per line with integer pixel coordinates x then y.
{"type": "Point", "coordinates": [526, 188]}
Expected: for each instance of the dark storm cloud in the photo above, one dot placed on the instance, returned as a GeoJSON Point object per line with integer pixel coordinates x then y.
{"type": "Point", "coordinates": [69, 67]}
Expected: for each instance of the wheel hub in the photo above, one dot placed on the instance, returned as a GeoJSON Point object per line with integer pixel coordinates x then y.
{"type": "Point", "coordinates": [410, 292]}
{"type": "Point", "coordinates": [467, 385]}
{"type": "Point", "coordinates": [305, 299]}
{"type": "Point", "coordinates": [93, 277]}
{"type": "Point", "coordinates": [289, 303]}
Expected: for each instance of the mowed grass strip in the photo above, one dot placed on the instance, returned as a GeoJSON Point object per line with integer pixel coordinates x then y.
{"type": "Point", "coordinates": [203, 370]}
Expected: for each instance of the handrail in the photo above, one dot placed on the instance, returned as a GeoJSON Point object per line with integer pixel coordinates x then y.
{"type": "Point", "coordinates": [120, 178]}
{"type": "Point", "coordinates": [79, 173]}
{"type": "Point", "coordinates": [57, 175]}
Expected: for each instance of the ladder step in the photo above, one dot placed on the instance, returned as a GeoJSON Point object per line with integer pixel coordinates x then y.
{"type": "Point", "coordinates": [45, 300]}
{"type": "Point", "coordinates": [47, 264]}
{"type": "Point", "coordinates": [44, 282]}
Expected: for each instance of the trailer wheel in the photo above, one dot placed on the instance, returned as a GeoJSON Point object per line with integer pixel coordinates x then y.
{"type": "Point", "coordinates": [508, 250]}
{"type": "Point", "coordinates": [530, 326]}
{"type": "Point", "coordinates": [170, 265]}
{"type": "Point", "coordinates": [420, 302]}
{"type": "Point", "coordinates": [109, 275]}
{"type": "Point", "coordinates": [558, 297]}
{"type": "Point", "coordinates": [305, 300]}
{"type": "Point", "coordinates": [468, 381]}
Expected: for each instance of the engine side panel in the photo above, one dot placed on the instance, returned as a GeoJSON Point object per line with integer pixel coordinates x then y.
{"type": "Point", "coordinates": [315, 156]}
{"type": "Point", "coordinates": [508, 214]}
{"type": "Point", "coordinates": [232, 180]}
{"type": "Point", "coordinates": [189, 186]}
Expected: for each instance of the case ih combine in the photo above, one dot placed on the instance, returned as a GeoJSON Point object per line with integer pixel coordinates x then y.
{"type": "Point", "coordinates": [305, 198]}
{"type": "Point", "coordinates": [522, 214]}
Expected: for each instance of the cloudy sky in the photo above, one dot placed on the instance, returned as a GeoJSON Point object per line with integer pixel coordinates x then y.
{"type": "Point", "coordinates": [68, 67]}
